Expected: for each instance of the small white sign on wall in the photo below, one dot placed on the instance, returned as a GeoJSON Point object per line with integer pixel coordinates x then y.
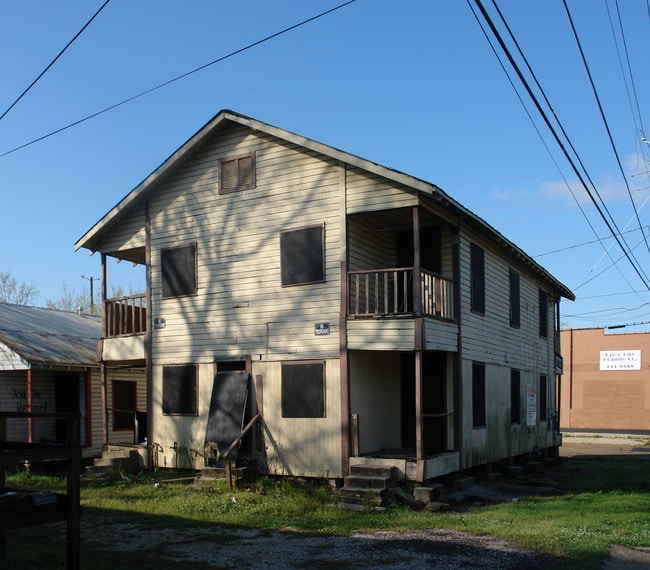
{"type": "Point", "coordinates": [620, 360]}
{"type": "Point", "coordinates": [531, 404]}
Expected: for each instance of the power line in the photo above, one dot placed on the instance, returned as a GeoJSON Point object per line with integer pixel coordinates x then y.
{"type": "Point", "coordinates": [54, 60]}
{"type": "Point", "coordinates": [575, 246]}
{"type": "Point", "coordinates": [182, 76]}
{"type": "Point", "coordinates": [604, 119]}
{"type": "Point", "coordinates": [610, 224]}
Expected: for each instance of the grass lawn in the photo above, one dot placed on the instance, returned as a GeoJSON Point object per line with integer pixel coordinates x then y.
{"type": "Point", "coordinates": [606, 502]}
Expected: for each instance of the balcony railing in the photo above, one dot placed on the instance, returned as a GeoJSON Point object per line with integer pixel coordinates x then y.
{"type": "Point", "coordinates": [126, 315]}
{"type": "Point", "coordinates": [385, 292]}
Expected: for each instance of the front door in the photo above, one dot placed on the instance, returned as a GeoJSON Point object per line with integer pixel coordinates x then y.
{"type": "Point", "coordinates": [434, 401]}
{"type": "Point", "coordinates": [66, 399]}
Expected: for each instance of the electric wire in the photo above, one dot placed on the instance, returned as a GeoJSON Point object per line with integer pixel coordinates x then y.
{"type": "Point", "coordinates": [569, 143]}
{"type": "Point", "coordinates": [623, 75]}
{"type": "Point", "coordinates": [593, 229]}
{"type": "Point", "coordinates": [182, 76]}
{"type": "Point", "coordinates": [54, 60]}
{"type": "Point", "coordinates": [629, 66]}
{"type": "Point", "coordinates": [575, 246]}
{"type": "Point", "coordinates": [604, 119]}
{"type": "Point", "coordinates": [539, 134]}
{"type": "Point", "coordinates": [572, 163]}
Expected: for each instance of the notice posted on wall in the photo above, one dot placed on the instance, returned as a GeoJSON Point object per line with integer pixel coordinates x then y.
{"type": "Point", "coordinates": [620, 360]}
{"type": "Point", "coordinates": [531, 404]}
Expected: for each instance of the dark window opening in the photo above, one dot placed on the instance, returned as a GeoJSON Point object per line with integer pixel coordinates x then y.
{"type": "Point", "coordinates": [302, 256]}
{"type": "Point", "coordinates": [303, 390]}
{"type": "Point", "coordinates": [543, 398]}
{"type": "Point", "coordinates": [179, 390]}
{"type": "Point", "coordinates": [515, 397]}
{"type": "Point", "coordinates": [477, 278]}
{"type": "Point", "coordinates": [124, 405]}
{"type": "Point", "coordinates": [178, 268]}
{"type": "Point", "coordinates": [478, 395]}
{"type": "Point", "coordinates": [515, 304]}
{"type": "Point", "coordinates": [543, 314]}
{"type": "Point", "coordinates": [237, 173]}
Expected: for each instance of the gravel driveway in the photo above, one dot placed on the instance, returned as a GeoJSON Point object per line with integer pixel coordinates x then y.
{"type": "Point", "coordinates": [220, 547]}
{"type": "Point", "coordinates": [223, 547]}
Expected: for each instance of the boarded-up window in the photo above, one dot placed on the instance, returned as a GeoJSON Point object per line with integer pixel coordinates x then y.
{"type": "Point", "coordinates": [477, 276]}
{"type": "Point", "coordinates": [515, 304]}
{"type": "Point", "coordinates": [178, 269]}
{"type": "Point", "coordinates": [237, 173]}
{"type": "Point", "coordinates": [179, 390]}
{"type": "Point", "coordinates": [543, 314]}
{"type": "Point", "coordinates": [515, 397]}
{"type": "Point", "coordinates": [543, 397]}
{"type": "Point", "coordinates": [478, 395]}
{"type": "Point", "coordinates": [303, 390]}
{"type": "Point", "coordinates": [124, 405]}
{"type": "Point", "coordinates": [302, 256]}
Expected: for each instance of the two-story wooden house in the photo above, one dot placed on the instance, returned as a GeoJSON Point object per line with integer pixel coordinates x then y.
{"type": "Point", "coordinates": [362, 313]}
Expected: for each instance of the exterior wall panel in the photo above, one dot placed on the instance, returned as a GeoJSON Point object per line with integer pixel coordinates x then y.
{"type": "Point", "coordinates": [604, 399]}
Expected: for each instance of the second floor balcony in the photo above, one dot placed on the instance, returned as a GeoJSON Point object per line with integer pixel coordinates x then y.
{"type": "Point", "coordinates": [393, 292]}
{"type": "Point", "coordinates": [125, 315]}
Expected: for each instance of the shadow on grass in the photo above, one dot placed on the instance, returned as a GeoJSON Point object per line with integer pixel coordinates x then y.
{"type": "Point", "coordinates": [113, 539]}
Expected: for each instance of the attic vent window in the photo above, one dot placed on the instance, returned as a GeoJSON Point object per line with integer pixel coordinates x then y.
{"type": "Point", "coordinates": [237, 173]}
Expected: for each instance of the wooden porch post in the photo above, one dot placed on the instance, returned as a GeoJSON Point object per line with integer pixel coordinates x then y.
{"type": "Point", "coordinates": [102, 365]}
{"type": "Point", "coordinates": [148, 331]}
{"type": "Point", "coordinates": [418, 342]}
{"type": "Point", "coordinates": [344, 378]}
{"type": "Point", "coordinates": [458, 360]}
{"type": "Point", "coordinates": [30, 403]}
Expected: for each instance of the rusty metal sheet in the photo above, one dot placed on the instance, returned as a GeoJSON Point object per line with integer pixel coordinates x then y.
{"type": "Point", "coordinates": [48, 336]}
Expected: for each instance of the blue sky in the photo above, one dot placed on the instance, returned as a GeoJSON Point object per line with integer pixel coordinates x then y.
{"type": "Point", "coordinates": [413, 85]}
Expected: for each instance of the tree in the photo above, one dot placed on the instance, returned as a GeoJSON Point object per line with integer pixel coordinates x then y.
{"type": "Point", "coordinates": [17, 293]}
{"type": "Point", "coordinates": [70, 300]}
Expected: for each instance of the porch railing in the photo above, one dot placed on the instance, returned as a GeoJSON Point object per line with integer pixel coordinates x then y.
{"type": "Point", "coordinates": [383, 292]}
{"type": "Point", "coordinates": [126, 315]}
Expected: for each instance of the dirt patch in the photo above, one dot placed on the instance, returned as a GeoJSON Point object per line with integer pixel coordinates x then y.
{"type": "Point", "coordinates": [605, 445]}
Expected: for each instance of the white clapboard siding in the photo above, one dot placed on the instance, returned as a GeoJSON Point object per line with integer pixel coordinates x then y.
{"type": "Point", "coordinates": [10, 360]}
{"type": "Point", "coordinates": [375, 394]}
{"type": "Point", "coordinates": [490, 339]}
{"type": "Point", "coordinates": [366, 192]}
{"type": "Point", "coordinates": [381, 334]}
{"type": "Point", "coordinates": [132, 374]}
{"type": "Point", "coordinates": [238, 253]}
{"type": "Point", "coordinates": [371, 247]}
{"type": "Point", "coordinates": [309, 447]}
{"type": "Point", "coordinates": [129, 235]}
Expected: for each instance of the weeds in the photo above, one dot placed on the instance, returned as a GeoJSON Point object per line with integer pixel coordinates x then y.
{"type": "Point", "coordinates": [607, 501]}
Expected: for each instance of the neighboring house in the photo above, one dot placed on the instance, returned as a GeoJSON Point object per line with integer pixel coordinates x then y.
{"type": "Point", "coordinates": [606, 382]}
{"type": "Point", "coordinates": [48, 363]}
{"type": "Point", "coordinates": [363, 313]}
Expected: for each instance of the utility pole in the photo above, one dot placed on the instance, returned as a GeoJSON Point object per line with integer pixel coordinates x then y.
{"type": "Point", "coordinates": [92, 298]}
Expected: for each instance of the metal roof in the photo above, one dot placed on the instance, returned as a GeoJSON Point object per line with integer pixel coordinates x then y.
{"type": "Point", "coordinates": [50, 337]}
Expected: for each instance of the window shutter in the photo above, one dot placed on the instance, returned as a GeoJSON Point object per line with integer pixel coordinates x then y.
{"type": "Point", "coordinates": [229, 175]}
{"type": "Point", "coordinates": [246, 172]}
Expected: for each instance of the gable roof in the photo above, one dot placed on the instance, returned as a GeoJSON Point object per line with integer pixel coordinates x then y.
{"type": "Point", "coordinates": [92, 237]}
{"type": "Point", "coordinates": [48, 337]}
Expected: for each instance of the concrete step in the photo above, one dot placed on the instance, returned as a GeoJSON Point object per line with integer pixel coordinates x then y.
{"type": "Point", "coordinates": [367, 481]}
{"type": "Point", "coordinates": [361, 496]}
{"type": "Point", "coordinates": [373, 471]}
{"type": "Point", "coordinates": [464, 482]}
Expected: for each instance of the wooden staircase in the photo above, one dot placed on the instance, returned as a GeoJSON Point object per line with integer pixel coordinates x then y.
{"type": "Point", "coordinates": [367, 487]}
